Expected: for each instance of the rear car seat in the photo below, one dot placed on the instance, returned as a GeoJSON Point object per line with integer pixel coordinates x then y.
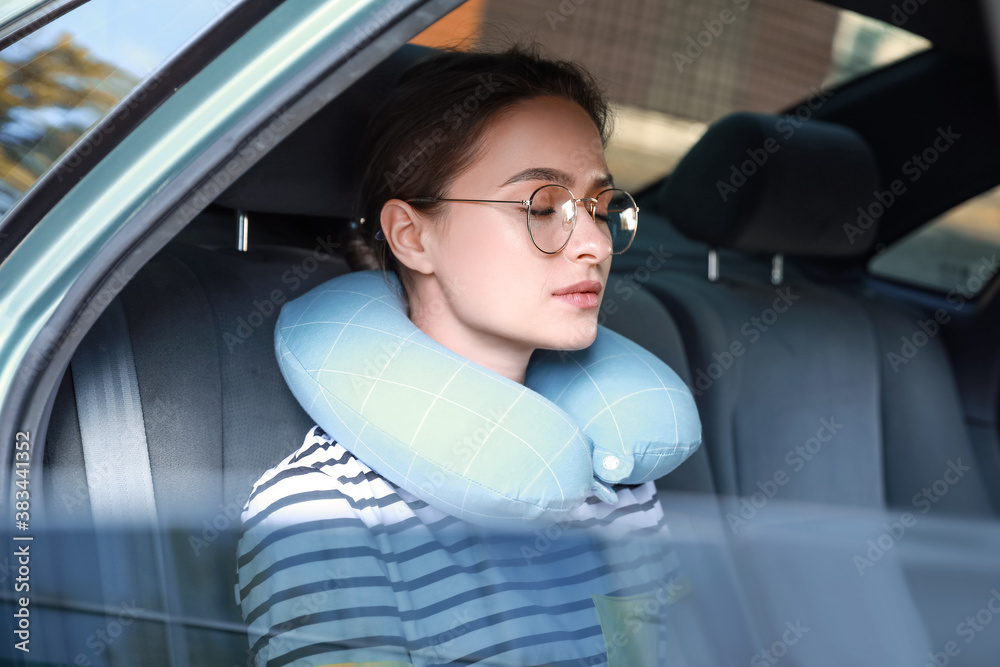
{"type": "Point", "coordinates": [791, 379]}
{"type": "Point", "coordinates": [809, 351]}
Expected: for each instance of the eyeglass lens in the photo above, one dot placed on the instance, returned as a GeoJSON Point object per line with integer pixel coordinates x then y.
{"type": "Point", "coordinates": [552, 211]}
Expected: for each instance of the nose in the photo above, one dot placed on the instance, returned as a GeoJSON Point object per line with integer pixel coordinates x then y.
{"type": "Point", "coordinates": [588, 241]}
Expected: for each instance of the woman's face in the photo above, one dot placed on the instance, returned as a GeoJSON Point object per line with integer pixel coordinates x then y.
{"type": "Point", "coordinates": [493, 294]}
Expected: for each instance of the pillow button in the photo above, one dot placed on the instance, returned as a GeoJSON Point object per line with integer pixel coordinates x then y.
{"type": "Point", "coordinates": [610, 462]}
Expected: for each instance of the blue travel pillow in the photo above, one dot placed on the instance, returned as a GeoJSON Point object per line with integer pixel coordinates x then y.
{"type": "Point", "coordinates": [464, 438]}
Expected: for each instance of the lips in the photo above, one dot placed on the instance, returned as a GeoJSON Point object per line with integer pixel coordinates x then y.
{"type": "Point", "coordinates": [583, 294]}
{"type": "Point", "coordinates": [592, 286]}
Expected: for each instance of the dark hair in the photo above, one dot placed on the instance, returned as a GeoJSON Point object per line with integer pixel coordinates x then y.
{"type": "Point", "coordinates": [428, 130]}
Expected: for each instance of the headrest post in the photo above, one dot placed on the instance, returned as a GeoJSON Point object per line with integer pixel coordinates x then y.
{"type": "Point", "coordinates": [713, 265]}
{"type": "Point", "coordinates": [242, 229]}
{"type": "Point", "coordinates": [777, 268]}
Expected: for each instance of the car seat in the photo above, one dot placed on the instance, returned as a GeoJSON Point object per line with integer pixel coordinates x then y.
{"type": "Point", "coordinates": [790, 370]}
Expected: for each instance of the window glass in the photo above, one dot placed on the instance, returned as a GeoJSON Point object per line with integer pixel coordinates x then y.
{"type": "Point", "coordinates": [60, 80]}
{"type": "Point", "coordinates": [956, 253]}
{"type": "Point", "coordinates": [672, 68]}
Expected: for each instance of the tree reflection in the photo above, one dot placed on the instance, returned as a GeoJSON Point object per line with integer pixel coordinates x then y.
{"type": "Point", "coordinates": [50, 96]}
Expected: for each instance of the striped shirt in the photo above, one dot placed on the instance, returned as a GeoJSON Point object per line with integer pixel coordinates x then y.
{"type": "Point", "coordinates": [336, 564]}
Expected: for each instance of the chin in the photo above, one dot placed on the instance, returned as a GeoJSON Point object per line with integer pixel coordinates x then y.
{"type": "Point", "coordinates": [580, 339]}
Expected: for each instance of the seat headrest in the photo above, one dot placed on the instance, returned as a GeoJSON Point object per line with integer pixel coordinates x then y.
{"type": "Point", "coordinates": [773, 184]}
{"type": "Point", "coordinates": [317, 169]}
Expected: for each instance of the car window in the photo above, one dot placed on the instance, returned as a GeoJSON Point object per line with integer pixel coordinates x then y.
{"type": "Point", "coordinates": [60, 80]}
{"type": "Point", "coordinates": [955, 254]}
{"type": "Point", "coordinates": [685, 64]}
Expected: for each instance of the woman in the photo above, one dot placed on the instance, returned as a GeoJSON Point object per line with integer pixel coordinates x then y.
{"type": "Point", "coordinates": [385, 578]}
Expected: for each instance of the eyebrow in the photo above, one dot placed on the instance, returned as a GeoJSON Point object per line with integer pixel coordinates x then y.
{"type": "Point", "coordinates": [556, 176]}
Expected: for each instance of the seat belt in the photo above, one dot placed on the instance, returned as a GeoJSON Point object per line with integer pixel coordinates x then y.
{"type": "Point", "coordinates": [132, 560]}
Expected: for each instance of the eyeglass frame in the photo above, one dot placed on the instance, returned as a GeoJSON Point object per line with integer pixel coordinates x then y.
{"type": "Point", "coordinates": [591, 209]}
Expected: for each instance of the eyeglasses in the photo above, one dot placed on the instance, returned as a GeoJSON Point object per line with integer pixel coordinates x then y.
{"type": "Point", "coordinates": [551, 215]}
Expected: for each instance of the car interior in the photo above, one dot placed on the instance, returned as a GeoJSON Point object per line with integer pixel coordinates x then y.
{"type": "Point", "coordinates": [761, 303]}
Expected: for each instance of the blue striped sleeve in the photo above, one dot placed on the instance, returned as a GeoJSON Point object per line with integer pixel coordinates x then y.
{"type": "Point", "coordinates": [314, 597]}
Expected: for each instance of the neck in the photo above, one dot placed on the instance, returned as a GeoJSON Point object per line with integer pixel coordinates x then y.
{"type": "Point", "coordinates": [501, 355]}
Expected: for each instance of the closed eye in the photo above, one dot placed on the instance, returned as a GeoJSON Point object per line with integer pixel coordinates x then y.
{"type": "Point", "coordinates": [543, 212]}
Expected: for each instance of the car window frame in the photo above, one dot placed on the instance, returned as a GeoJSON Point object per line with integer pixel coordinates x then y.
{"type": "Point", "coordinates": [95, 144]}
{"type": "Point", "coordinates": [30, 15]}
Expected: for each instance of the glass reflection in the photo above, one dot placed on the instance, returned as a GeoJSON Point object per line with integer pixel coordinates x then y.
{"type": "Point", "coordinates": [58, 82]}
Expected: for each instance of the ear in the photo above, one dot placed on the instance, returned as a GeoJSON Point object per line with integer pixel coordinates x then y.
{"type": "Point", "coordinates": [407, 232]}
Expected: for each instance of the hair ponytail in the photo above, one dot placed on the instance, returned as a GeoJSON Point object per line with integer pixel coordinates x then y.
{"type": "Point", "coordinates": [358, 252]}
